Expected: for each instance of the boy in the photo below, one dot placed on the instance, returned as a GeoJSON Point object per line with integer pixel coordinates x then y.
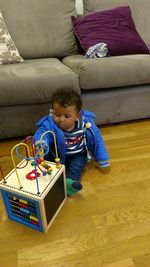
{"type": "Point", "coordinates": [77, 137]}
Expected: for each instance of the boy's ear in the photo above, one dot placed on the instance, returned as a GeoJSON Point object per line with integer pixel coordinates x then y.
{"type": "Point", "coordinates": [79, 114]}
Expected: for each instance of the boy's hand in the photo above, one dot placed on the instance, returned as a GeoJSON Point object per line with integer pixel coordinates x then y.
{"type": "Point", "coordinates": [104, 169]}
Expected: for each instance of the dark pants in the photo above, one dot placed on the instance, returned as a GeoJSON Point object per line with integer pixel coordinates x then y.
{"type": "Point", "coordinates": [75, 165]}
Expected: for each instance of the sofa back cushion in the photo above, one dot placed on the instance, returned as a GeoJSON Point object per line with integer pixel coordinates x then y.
{"type": "Point", "coordinates": [8, 51]}
{"type": "Point", "coordinates": [139, 8]}
{"type": "Point", "coordinates": [114, 27]}
{"type": "Point", "coordinates": [41, 28]}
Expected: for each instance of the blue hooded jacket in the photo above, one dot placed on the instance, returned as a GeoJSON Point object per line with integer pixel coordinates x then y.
{"type": "Point", "coordinates": [94, 140]}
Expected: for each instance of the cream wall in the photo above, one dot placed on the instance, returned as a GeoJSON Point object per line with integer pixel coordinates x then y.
{"type": "Point", "coordinates": [79, 6]}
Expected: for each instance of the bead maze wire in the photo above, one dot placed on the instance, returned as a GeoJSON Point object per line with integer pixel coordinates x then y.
{"type": "Point", "coordinates": [26, 158]}
{"type": "Point", "coordinates": [57, 159]}
{"type": "Point", "coordinates": [1, 169]}
{"type": "Point", "coordinates": [35, 156]}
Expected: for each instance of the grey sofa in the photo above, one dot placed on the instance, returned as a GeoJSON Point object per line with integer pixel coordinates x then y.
{"type": "Point", "coordinates": [116, 89]}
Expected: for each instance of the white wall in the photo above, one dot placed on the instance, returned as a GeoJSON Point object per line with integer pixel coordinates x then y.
{"type": "Point", "coordinates": [79, 6]}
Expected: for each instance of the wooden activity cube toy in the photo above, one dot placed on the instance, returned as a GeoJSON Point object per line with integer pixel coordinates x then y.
{"type": "Point", "coordinates": [29, 207]}
{"type": "Point", "coordinates": [35, 190]}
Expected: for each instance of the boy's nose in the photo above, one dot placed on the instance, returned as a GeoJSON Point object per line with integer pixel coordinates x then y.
{"type": "Point", "coordinates": [62, 118]}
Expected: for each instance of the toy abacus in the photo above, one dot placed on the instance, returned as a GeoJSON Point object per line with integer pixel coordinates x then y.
{"type": "Point", "coordinates": [35, 190]}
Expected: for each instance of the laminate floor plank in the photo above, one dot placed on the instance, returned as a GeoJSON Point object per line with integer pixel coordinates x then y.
{"type": "Point", "coordinates": [107, 224]}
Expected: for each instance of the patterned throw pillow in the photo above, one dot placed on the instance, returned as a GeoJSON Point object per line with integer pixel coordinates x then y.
{"type": "Point", "coordinates": [8, 50]}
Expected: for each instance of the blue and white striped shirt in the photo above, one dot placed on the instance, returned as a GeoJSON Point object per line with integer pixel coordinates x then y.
{"type": "Point", "coordinates": [74, 140]}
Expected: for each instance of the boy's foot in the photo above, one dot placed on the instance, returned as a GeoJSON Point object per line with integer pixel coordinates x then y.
{"type": "Point", "coordinates": [73, 186]}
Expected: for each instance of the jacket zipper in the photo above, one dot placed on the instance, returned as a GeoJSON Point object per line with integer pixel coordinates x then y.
{"type": "Point", "coordinates": [63, 156]}
{"type": "Point", "coordinates": [94, 140]}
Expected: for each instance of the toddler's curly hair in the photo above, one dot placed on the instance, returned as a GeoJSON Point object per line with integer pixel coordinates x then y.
{"type": "Point", "coordinates": [67, 97]}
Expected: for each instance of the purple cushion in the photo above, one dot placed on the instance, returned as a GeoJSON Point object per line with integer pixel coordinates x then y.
{"type": "Point", "coordinates": [115, 27]}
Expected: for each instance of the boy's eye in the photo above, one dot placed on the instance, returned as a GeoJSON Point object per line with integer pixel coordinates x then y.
{"type": "Point", "coordinates": [67, 116]}
{"type": "Point", "coordinates": [57, 115]}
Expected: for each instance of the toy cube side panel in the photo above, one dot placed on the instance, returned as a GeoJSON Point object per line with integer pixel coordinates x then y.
{"type": "Point", "coordinates": [54, 199]}
{"type": "Point", "coordinates": [22, 210]}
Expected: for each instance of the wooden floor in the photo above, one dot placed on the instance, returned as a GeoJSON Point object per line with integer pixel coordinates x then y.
{"type": "Point", "coordinates": [106, 225]}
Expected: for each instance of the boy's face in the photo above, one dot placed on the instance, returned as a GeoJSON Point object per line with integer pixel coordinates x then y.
{"type": "Point", "coordinates": [65, 117]}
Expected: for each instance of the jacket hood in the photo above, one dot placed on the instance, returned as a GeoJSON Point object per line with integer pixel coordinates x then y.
{"type": "Point", "coordinates": [90, 114]}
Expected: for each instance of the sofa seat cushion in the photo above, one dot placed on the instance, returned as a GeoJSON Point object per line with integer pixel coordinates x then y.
{"type": "Point", "coordinates": [96, 73]}
{"type": "Point", "coordinates": [33, 81]}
